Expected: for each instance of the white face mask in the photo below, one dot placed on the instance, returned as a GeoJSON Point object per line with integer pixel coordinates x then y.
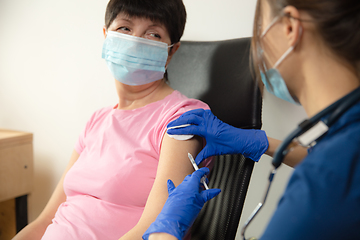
{"type": "Point", "coordinates": [272, 79]}
{"type": "Point", "coordinates": [133, 60]}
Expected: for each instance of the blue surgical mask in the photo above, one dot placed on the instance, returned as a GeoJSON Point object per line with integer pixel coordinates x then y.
{"type": "Point", "coordinates": [272, 79]}
{"type": "Point", "coordinates": [134, 60]}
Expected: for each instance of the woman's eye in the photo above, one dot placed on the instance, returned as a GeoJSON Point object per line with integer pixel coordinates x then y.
{"type": "Point", "coordinates": [155, 36]}
{"type": "Point", "coordinates": [123, 29]}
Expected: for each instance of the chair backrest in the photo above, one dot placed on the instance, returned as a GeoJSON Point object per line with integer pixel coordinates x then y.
{"type": "Point", "coordinates": [218, 73]}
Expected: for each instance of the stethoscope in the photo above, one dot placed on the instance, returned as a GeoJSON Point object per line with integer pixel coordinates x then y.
{"type": "Point", "coordinates": [306, 134]}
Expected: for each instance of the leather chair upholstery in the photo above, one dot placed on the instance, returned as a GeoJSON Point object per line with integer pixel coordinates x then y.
{"type": "Point", "coordinates": [218, 73]}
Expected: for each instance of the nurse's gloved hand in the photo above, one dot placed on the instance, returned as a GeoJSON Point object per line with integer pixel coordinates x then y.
{"type": "Point", "coordinates": [221, 138]}
{"type": "Point", "coordinates": [182, 206]}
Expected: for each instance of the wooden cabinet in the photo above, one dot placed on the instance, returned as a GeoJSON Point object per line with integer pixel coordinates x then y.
{"type": "Point", "coordinates": [16, 180]}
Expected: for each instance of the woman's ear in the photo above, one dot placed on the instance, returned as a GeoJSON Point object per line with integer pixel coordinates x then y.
{"type": "Point", "coordinates": [104, 31]}
{"type": "Point", "coordinates": [172, 51]}
{"type": "Point", "coordinates": [292, 25]}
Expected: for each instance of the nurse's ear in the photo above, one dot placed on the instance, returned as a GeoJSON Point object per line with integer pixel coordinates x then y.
{"type": "Point", "coordinates": [172, 51]}
{"type": "Point", "coordinates": [104, 31]}
{"type": "Point", "coordinates": [292, 25]}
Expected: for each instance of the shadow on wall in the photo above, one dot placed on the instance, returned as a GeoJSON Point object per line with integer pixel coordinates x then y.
{"type": "Point", "coordinates": [43, 185]}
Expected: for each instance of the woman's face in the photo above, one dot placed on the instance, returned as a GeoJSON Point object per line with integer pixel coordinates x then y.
{"type": "Point", "coordinates": [140, 27]}
{"type": "Point", "coordinates": [279, 35]}
{"type": "Point", "coordinates": [274, 44]}
{"type": "Point", "coordinates": [144, 28]}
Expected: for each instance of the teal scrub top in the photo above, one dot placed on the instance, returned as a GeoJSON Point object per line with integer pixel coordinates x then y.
{"type": "Point", "coordinates": [322, 199]}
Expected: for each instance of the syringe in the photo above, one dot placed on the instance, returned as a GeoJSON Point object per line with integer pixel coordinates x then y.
{"type": "Point", "coordinates": [203, 179]}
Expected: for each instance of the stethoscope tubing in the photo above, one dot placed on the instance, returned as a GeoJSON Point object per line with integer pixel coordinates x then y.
{"type": "Point", "coordinates": [336, 110]}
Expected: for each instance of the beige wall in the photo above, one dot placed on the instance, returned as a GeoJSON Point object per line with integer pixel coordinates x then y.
{"type": "Point", "coordinates": [52, 78]}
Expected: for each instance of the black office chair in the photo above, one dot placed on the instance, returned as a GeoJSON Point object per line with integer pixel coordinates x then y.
{"type": "Point", "coordinates": [218, 73]}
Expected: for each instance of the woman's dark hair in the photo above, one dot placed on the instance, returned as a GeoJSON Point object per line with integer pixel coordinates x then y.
{"type": "Point", "coordinates": [337, 21]}
{"type": "Point", "coordinates": [170, 13]}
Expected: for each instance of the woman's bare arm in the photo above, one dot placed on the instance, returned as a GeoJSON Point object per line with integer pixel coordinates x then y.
{"type": "Point", "coordinates": [174, 164]}
{"type": "Point", "coordinates": [161, 236]}
{"type": "Point", "coordinates": [36, 229]}
{"type": "Point", "coordinates": [293, 158]}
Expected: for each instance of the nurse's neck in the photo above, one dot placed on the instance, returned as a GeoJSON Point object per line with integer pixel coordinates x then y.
{"type": "Point", "coordinates": [133, 97]}
{"type": "Point", "coordinates": [326, 79]}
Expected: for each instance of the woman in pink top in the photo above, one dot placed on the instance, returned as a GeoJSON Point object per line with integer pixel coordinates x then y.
{"type": "Point", "coordinates": [116, 181]}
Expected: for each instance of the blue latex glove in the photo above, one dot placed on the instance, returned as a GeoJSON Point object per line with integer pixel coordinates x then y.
{"type": "Point", "coordinates": [182, 206]}
{"type": "Point", "coordinates": [221, 138]}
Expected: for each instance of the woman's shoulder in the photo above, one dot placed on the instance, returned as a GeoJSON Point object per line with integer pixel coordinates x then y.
{"type": "Point", "coordinates": [176, 104]}
{"type": "Point", "coordinates": [100, 113]}
{"type": "Point", "coordinates": [179, 100]}
{"type": "Point", "coordinates": [172, 107]}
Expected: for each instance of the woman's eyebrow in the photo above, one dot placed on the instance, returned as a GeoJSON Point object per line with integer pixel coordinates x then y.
{"type": "Point", "coordinates": [157, 25]}
{"type": "Point", "coordinates": [126, 19]}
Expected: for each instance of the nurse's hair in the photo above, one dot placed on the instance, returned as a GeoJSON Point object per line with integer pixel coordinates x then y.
{"type": "Point", "coordinates": [337, 22]}
{"type": "Point", "coordinates": [170, 13]}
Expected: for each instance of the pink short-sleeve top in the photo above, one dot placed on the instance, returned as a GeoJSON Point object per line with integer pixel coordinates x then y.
{"type": "Point", "coordinates": [108, 186]}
